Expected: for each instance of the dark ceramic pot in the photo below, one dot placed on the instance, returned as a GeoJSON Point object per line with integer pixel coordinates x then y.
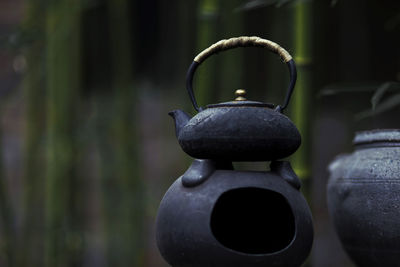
{"type": "Point", "coordinates": [235, 218]}
{"type": "Point", "coordinates": [364, 198]}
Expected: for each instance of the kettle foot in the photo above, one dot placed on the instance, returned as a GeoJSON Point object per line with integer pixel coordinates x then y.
{"type": "Point", "coordinates": [201, 169]}
{"type": "Point", "coordinates": [284, 169]}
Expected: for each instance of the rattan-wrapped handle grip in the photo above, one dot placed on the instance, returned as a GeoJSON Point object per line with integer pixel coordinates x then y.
{"type": "Point", "coordinates": [244, 41]}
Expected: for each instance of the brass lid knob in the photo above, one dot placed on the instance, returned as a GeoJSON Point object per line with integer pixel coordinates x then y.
{"type": "Point", "coordinates": [240, 95]}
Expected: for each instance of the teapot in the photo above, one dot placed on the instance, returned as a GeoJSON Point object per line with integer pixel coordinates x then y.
{"type": "Point", "coordinates": [239, 130]}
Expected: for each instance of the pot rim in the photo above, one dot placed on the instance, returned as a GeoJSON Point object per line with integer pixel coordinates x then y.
{"type": "Point", "coordinates": [377, 136]}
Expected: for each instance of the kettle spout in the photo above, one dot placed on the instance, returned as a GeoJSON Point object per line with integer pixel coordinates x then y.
{"type": "Point", "coordinates": [181, 119]}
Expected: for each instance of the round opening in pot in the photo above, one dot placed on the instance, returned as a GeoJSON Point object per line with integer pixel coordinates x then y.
{"type": "Point", "coordinates": [253, 220]}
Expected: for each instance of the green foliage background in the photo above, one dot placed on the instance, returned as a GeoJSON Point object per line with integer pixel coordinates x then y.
{"type": "Point", "coordinates": [95, 79]}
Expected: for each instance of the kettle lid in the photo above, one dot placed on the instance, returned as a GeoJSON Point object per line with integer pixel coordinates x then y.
{"type": "Point", "coordinates": [241, 101]}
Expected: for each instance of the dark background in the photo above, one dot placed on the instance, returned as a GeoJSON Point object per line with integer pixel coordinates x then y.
{"type": "Point", "coordinates": [88, 149]}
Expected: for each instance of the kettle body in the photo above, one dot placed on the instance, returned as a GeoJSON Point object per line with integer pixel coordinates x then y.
{"type": "Point", "coordinates": [238, 131]}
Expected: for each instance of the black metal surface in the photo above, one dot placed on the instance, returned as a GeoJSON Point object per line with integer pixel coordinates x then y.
{"type": "Point", "coordinates": [189, 84]}
{"type": "Point", "coordinates": [363, 200]}
{"type": "Point", "coordinates": [293, 77]}
{"type": "Point", "coordinates": [234, 218]}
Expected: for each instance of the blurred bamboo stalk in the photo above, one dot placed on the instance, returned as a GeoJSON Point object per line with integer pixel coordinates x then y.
{"type": "Point", "coordinates": [31, 242]}
{"type": "Point", "coordinates": [300, 106]}
{"type": "Point", "coordinates": [206, 81]}
{"type": "Point", "coordinates": [186, 34]}
{"type": "Point", "coordinates": [8, 245]}
{"type": "Point", "coordinates": [124, 201]}
{"type": "Point", "coordinates": [63, 243]}
{"type": "Point", "coordinates": [301, 109]}
{"type": "Point", "coordinates": [230, 67]}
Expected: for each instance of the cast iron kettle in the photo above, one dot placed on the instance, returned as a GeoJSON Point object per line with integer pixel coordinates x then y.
{"type": "Point", "coordinates": [214, 215]}
{"type": "Point", "coordinates": [239, 130]}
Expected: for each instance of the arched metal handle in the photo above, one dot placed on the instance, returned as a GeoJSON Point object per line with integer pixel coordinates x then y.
{"type": "Point", "coordinates": [243, 41]}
